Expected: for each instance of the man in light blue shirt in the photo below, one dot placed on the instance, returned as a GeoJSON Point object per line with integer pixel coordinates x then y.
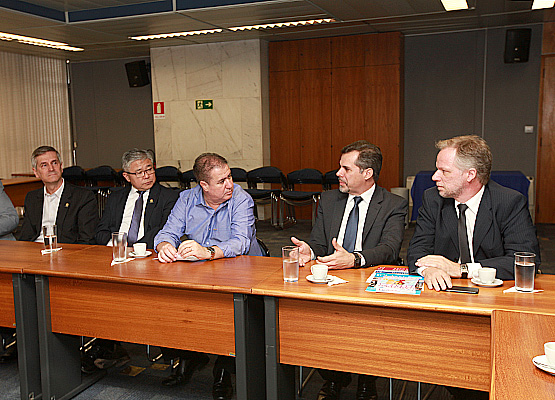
{"type": "Point", "coordinates": [217, 216]}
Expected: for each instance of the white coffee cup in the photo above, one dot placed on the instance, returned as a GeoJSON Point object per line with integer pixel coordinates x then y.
{"type": "Point", "coordinates": [549, 348]}
{"type": "Point", "coordinates": [486, 275]}
{"type": "Point", "coordinates": [319, 271]}
{"type": "Point", "coordinates": [139, 249]}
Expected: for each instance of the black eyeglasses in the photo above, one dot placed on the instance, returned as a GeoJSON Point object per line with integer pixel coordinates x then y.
{"type": "Point", "coordinates": [142, 174]}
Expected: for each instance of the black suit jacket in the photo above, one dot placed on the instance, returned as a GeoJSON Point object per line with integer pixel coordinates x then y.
{"type": "Point", "coordinates": [159, 205]}
{"type": "Point", "coordinates": [383, 228]}
{"type": "Point", "coordinates": [503, 226]}
{"type": "Point", "coordinates": [76, 219]}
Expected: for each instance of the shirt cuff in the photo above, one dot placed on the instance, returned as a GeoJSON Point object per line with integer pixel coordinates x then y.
{"type": "Point", "coordinates": [420, 270]}
{"type": "Point", "coordinates": [312, 256]}
{"type": "Point", "coordinates": [362, 259]}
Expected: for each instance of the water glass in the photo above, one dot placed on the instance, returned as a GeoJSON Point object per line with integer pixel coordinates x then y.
{"type": "Point", "coordinates": [119, 243]}
{"type": "Point", "coordinates": [50, 235]}
{"type": "Point", "coordinates": [290, 258]}
{"type": "Point", "coordinates": [525, 270]}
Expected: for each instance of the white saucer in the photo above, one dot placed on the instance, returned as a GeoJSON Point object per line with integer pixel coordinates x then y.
{"type": "Point", "coordinates": [541, 363]}
{"type": "Point", "coordinates": [310, 278]}
{"type": "Point", "coordinates": [132, 254]}
{"type": "Point", "coordinates": [496, 282]}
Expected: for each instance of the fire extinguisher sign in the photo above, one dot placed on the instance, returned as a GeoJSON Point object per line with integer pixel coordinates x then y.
{"type": "Point", "coordinates": [159, 112]}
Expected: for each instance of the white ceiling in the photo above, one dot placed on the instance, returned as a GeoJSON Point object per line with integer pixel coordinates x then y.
{"type": "Point", "coordinates": [102, 27]}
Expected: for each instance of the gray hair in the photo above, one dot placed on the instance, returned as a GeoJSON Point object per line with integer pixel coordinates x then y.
{"type": "Point", "coordinates": [133, 155]}
{"type": "Point", "coordinates": [369, 156]}
{"type": "Point", "coordinates": [471, 152]}
{"type": "Point", "coordinates": [205, 163]}
{"type": "Point", "coordinates": [39, 151]}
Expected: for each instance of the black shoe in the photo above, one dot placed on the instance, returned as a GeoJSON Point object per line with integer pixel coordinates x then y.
{"type": "Point", "coordinates": [222, 389]}
{"type": "Point", "coordinates": [87, 365]}
{"type": "Point", "coordinates": [10, 355]}
{"type": "Point", "coordinates": [366, 389]}
{"type": "Point", "coordinates": [183, 372]}
{"type": "Point", "coordinates": [112, 356]}
{"type": "Point", "coordinates": [329, 391]}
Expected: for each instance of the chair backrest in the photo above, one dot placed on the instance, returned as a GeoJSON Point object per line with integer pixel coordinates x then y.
{"type": "Point", "coordinates": [168, 173]}
{"type": "Point", "coordinates": [330, 178]}
{"type": "Point", "coordinates": [187, 177]}
{"type": "Point", "coordinates": [238, 174]}
{"type": "Point", "coordinates": [102, 176]}
{"type": "Point", "coordinates": [304, 176]}
{"type": "Point", "coordinates": [74, 174]}
{"type": "Point", "coordinates": [266, 175]}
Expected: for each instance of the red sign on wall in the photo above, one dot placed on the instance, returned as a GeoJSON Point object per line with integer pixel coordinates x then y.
{"type": "Point", "coordinates": [159, 112]}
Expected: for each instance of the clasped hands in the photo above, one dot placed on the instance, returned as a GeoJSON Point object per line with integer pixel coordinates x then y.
{"type": "Point", "coordinates": [439, 271]}
{"type": "Point", "coordinates": [340, 259]}
{"type": "Point", "coordinates": [167, 253]}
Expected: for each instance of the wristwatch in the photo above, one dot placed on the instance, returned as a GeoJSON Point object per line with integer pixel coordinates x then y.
{"type": "Point", "coordinates": [358, 260]}
{"type": "Point", "coordinates": [212, 251]}
{"type": "Point", "coordinates": [464, 271]}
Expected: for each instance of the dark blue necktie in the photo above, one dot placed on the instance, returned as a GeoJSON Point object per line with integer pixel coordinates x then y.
{"type": "Point", "coordinates": [463, 237]}
{"type": "Point", "coordinates": [352, 226]}
{"type": "Point", "coordinates": [135, 220]}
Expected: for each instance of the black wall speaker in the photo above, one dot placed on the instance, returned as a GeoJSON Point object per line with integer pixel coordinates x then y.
{"type": "Point", "coordinates": [137, 73]}
{"type": "Point", "coordinates": [517, 45]}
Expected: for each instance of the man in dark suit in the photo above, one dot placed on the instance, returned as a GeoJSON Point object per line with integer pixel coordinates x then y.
{"type": "Point", "coordinates": [157, 200]}
{"type": "Point", "coordinates": [73, 209]}
{"type": "Point", "coordinates": [468, 222]}
{"type": "Point", "coordinates": [359, 225]}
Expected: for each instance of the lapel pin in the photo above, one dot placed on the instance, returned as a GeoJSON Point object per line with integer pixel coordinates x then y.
{"type": "Point", "coordinates": [152, 200]}
{"type": "Point", "coordinates": [67, 205]}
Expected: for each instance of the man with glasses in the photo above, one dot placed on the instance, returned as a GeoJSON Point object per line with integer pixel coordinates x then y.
{"type": "Point", "coordinates": [140, 209]}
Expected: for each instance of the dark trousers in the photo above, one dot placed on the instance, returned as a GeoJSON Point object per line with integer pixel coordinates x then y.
{"type": "Point", "coordinates": [222, 362]}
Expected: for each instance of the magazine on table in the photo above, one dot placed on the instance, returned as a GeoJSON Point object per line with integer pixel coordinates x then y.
{"type": "Point", "coordinates": [390, 269]}
{"type": "Point", "coordinates": [388, 282]}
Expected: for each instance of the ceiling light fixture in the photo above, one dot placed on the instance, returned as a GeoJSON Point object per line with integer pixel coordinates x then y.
{"type": "Point", "coordinates": [282, 24]}
{"type": "Point", "coordinates": [38, 42]}
{"type": "Point", "coordinates": [539, 4]}
{"type": "Point", "coordinates": [452, 5]}
{"type": "Point", "coordinates": [176, 34]}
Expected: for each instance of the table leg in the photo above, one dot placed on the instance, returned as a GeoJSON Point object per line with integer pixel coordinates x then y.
{"type": "Point", "coordinates": [280, 378]}
{"type": "Point", "coordinates": [249, 347]}
{"type": "Point", "coordinates": [60, 359]}
{"type": "Point", "coordinates": [27, 337]}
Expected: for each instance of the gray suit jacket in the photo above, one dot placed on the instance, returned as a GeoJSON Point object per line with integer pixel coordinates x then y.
{"type": "Point", "coordinates": [383, 229]}
{"type": "Point", "coordinates": [8, 216]}
{"type": "Point", "coordinates": [503, 226]}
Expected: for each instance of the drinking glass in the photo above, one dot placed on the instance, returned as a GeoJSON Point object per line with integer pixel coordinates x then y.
{"type": "Point", "coordinates": [290, 258]}
{"type": "Point", "coordinates": [50, 234]}
{"type": "Point", "coordinates": [525, 269]}
{"type": "Point", "coordinates": [119, 249]}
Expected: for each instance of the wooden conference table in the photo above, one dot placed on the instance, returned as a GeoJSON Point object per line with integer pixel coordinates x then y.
{"type": "Point", "coordinates": [204, 306]}
{"type": "Point", "coordinates": [483, 342]}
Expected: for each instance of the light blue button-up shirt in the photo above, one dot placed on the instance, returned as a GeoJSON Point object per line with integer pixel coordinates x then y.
{"type": "Point", "coordinates": [230, 227]}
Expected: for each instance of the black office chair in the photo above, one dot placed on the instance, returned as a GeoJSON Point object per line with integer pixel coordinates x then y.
{"type": "Point", "coordinates": [169, 174]}
{"type": "Point", "coordinates": [103, 176]}
{"type": "Point", "coordinates": [330, 179]}
{"type": "Point", "coordinates": [187, 178]}
{"type": "Point", "coordinates": [266, 196]}
{"type": "Point", "coordinates": [238, 174]}
{"type": "Point", "coordinates": [264, 248]}
{"type": "Point", "coordinates": [75, 175]}
{"type": "Point", "coordinates": [295, 198]}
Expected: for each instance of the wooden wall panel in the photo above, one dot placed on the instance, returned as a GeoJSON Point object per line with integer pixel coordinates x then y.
{"type": "Point", "coordinates": [348, 106]}
{"type": "Point", "coordinates": [283, 56]}
{"type": "Point", "coordinates": [284, 120]}
{"type": "Point", "coordinates": [315, 117]}
{"type": "Point", "coordinates": [314, 53]}
{"type": "Point", "coordinates": [384, 49]}
{"type": "Point", "coordinates": [348, 51]}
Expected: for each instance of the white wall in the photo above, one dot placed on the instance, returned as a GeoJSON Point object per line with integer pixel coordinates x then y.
{"type": "Point", "coordinates": [232, 75]}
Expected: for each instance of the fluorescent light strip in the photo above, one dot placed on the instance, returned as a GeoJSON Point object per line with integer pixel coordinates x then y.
{"type": "Point", "coordinates": [177, 34]}
{"type": "Point", "coordinates": [38, 42]}
{"type": "Point", "coordinates": [452, 5]}
{"type": "Point", "coordinates": [538, 4]}
{"type": "Point", "coordinates": [282, 24]}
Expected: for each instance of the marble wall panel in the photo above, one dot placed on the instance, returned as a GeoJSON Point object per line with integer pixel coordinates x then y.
{"type": "Point", "coordinates": [187, 130]}
{"type": "Point", "coordinates": [241, 69]}
{"type": "Point", "coordinates": [164, 87]}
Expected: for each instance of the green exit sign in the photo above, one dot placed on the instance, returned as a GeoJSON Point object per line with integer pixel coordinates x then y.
{"type": "Point", "coordinates": [204, 104]}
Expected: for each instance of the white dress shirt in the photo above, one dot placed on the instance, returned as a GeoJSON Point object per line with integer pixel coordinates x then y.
{"type": "Point", "coordinates": [128, 213]}
{"type": "Point", "coordinates": [50, 206]}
